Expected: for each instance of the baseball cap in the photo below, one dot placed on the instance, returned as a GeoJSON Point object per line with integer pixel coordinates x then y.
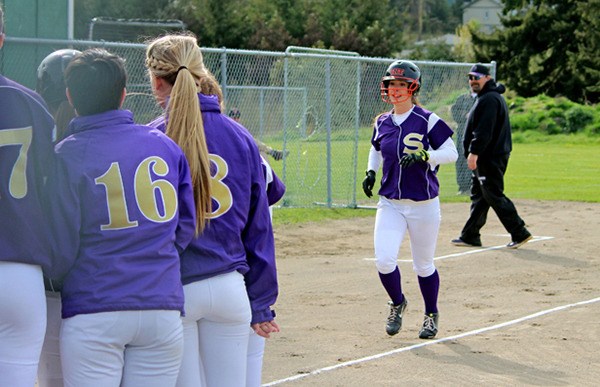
{"type": "Point", "coordinates": [479, 69]}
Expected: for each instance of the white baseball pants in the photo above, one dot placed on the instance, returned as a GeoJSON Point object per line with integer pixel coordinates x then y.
{"type": "Point", "coordinates": [216, 332]}
{"type": "Point", "coordinates": [421, 220]}
{"type": "Point", "coordinates": [22, 323]}
{"type": "Point", "coordinates": [122, 349]}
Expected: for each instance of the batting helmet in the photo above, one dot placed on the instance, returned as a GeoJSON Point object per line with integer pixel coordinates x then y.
{"type": "Point", "coordinates": [403, 70]}
{"type": "Point", "coordinates": [50, 77]}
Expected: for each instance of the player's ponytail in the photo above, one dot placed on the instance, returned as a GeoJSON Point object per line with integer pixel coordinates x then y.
{"type": "Point", "coordinates": [177, 60]}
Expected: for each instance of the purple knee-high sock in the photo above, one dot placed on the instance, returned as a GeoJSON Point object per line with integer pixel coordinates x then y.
{"type": "Point", "coordinates": [430, 287]}
{"type": "Point", "coordinates": [391, 283]}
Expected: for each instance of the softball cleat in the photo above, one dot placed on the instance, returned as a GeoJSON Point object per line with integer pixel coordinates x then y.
{"type": "Point", "coordinates": [430, 326]}
{"type": "Point", "coordinates": [394, 320]}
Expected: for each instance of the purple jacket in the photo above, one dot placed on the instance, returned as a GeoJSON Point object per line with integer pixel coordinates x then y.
{"type": "Point", "coordinates": [26, 158]}
{"type": "Point", "coordinates": [126, 208]}
{"type": "Point", "coordinates": [417, 182]}
{"type": "Point", "coordinates": [275, 187]}
{"type": "Point", "coordinates": [239, 235]}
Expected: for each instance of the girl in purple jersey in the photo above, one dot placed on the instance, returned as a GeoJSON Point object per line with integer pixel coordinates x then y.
{"type": "Point", "coordinates": [51, 86]}
{"type": "Point", "coordinates": [228, 271]}
{"type": "Point", "coordinates": [411, 142]}
{"type": "Point", "coordinates": [26, 159]}
{"type": "Point", "coordinates": [126, 210]}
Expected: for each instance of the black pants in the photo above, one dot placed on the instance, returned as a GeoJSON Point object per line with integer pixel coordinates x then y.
{"type": "Point", "coordinates": [487, 191]}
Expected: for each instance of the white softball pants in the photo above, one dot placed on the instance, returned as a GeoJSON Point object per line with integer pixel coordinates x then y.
{"type": "Point", "coordinates": [421, 220]}
{"type": "Point", "coordinates": [49, 371]}
{"type": "Point", "coordinates": [125, 348]}
{"type": "Point", "coordinates": [216, 332]}
{"type": "Point", "coordinates": [256, 351]}
{"type": "Point", "coordinates": [22, 323]}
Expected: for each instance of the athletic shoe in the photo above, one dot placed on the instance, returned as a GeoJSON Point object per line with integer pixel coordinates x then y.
{"type": "Point", "coordinates": [394, 320]}
{"type": "Point", "coordinates": [460, 242]}
{"type": "Point", "coordinates": [430, 326]}
{"type": "Point", "coordinates": [516, 245]}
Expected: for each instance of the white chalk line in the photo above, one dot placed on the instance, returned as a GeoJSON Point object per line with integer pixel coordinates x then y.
{"type": "Point", "coordinates": [475, 251]}
{"type": "Point", "coordinates": [433, 342]}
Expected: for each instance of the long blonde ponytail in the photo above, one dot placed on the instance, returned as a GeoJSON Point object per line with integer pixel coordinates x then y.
{"type": "Point", "coordinates": [178, 60]}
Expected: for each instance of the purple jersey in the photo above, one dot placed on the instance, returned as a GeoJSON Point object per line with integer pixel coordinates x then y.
{"type": "Point", "coordinates": [239, 235]}
{"type": "Point", "coordinates": [275, 187]}
{"type": "Point", "coordinates": [126, 208]}
{"type": "Point", "coordinates": [26, 158]}
{"type": "Point", "coordinates": [422, 129]}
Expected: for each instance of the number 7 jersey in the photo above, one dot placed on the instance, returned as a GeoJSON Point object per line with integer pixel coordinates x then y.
{"type": "Point", "coordinates": [26, 157]}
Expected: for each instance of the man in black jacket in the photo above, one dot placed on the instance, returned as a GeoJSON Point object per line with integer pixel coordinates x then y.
{"type": "Point", "coordinates": [487, 147]}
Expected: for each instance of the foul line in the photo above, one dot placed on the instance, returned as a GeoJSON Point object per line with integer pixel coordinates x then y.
{"type": "Point", "coordinates": [427, 343]}
{"type": "Point", "coordinates": [535, 239]}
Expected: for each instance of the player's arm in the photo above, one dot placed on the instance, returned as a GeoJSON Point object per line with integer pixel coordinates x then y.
{"type": "Point", "coordinates": [259, 243]}
{"type": "Point", "coordinates": [375, 159]}
{"type": "Point", "coordinates": [62, 206]}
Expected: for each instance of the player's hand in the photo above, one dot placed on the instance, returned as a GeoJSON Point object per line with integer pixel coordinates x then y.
{"type": "Point", "coordinates": [411, 158]}
{"type": "Point", "coordinates": [276, 154]}
{"type": "Point", "coordinates": [368, 183]}
{"type": "Point", "coordinates": [264, 329]}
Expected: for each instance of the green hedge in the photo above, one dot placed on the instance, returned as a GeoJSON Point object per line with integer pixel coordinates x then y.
{"type": "Point", "coordinates": [552, 116]}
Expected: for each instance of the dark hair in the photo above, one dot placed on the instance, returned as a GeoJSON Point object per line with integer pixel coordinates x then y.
{"type": "Point", "coordinates": [96, 80]}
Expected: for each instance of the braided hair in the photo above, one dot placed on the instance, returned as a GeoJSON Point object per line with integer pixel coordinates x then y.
{"type": "Point", "coordinates": [177, 59]}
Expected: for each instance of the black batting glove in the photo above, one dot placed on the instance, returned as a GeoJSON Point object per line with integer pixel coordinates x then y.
{"type": "Point", "coordinates": [368, 183]}
{"type": "Point", "coordinates": [418, 157]}
{"type": "Point", "coordinates": [276, 154]}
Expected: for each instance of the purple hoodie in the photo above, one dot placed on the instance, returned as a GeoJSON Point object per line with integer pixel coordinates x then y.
{"type": "Point", "coordinates": [126, 209]}
{"type": "Point", "coordinates": [239, 235]}
{"type": "Point", "coordinates": [26, 159]}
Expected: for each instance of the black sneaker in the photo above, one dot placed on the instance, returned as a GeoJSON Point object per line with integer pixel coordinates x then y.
{"type": "Point", "coordinates": [430, 326]}
{"type": "Point", "coordinates": [460, 242]}
{"type": "Point", "coordinates": [516, 245]}
{"type": "Point", "coordinates": [394, 320]}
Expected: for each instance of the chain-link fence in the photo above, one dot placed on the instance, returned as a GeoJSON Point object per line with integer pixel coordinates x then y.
{"type": "Point", "coordinates": [316, 105]}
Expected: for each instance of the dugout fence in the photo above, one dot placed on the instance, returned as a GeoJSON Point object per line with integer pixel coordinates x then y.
{"type": "Point", "coordinates": [316, 105]}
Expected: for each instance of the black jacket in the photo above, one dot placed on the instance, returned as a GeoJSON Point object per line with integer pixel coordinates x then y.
{"type": "Point", "coordinates": [488, 126]}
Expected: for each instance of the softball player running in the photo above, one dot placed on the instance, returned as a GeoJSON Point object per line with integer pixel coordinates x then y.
{"type": "Point", "coordinates": [411, 142]}
{"type": "Point", "coordinates": [51, 86]}
{"type": "Point", "coordinates": [228, 271]}
{"type": "Point", "coordinates": [126, 209]}
{"type": "Point", "coordinates": [26, 158]}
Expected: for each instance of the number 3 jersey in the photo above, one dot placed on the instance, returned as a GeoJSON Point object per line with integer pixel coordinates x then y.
{"type": "Point", "coordinates": [239, 236]}
{"type": "Point", "coordinates": [26, 157]}
{"type": "Point", "coordinates": [124, 207]}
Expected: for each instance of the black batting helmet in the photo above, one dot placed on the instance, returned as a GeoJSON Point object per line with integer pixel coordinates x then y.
{"type": "Point", "coordinates": [50, 77]}
{"type": "Point", "coordinates": [402, 70]}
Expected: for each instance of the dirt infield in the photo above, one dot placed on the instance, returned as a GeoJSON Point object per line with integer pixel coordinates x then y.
{"type": "Point", "coordinates": [507, 317]}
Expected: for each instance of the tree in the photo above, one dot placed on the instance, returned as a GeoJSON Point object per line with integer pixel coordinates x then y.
{"type": "Point", "coordinates": [547, 47]}
{"type": "Point", "coordinates": [86, 10]}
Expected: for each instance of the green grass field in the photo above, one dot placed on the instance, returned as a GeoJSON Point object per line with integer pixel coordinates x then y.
{"type": "Point", "coordinates": [558, 168]}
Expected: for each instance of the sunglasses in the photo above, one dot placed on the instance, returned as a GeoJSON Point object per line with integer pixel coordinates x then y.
{"type": "Point", "coordinates": [474, 77]}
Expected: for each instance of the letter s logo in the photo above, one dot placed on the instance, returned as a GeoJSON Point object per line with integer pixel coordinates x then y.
{"type": "Point", "coordinates": [413, 142]}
